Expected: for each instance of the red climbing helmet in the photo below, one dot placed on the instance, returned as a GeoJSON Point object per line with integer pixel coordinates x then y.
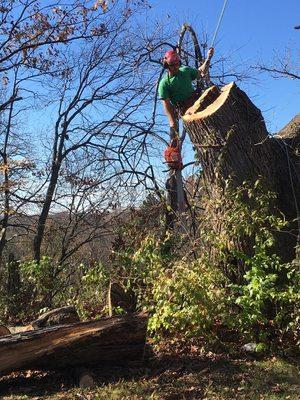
{"type": "Point", "coordinates": [171, 57]}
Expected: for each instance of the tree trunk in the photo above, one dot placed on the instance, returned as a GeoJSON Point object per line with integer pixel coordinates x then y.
{"type": "Point", "coordinates": [116, 340]}
{"type": "Point", "coordinates": [232, 142]}
{"type": "Point", "coordinates": [172, 206]}
{"type": "Point", "coordinates": [14, 302]}
{"type": "Point", "coordinates": [41, 225]}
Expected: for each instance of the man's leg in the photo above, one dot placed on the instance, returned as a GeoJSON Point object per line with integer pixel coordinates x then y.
{"type": "Point", "coordinates": [173, 132]}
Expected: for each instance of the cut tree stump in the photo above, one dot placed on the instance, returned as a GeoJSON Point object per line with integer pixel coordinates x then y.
{"type": "Point", "coordinates": [108, 341]}
{"type": "Point", "coordinates": [117, 297]}
{"type": "Point", "coordinates": [232, 142]}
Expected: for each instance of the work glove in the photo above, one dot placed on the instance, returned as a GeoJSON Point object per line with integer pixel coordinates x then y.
{"type": "Point", "coordinates": [204, 68]}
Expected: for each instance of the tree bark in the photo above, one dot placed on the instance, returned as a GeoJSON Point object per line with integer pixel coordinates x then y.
{"type": "Point", "coordinates": [232, 142]}
{"type": "Point", "coordinates": [13, 287]}
{"type": "Point", "coordinates": [41, 225]}
{"type": "Point", "coordinates": [117, 297]}
{"type": "Point", "coordinates": [172, 206]}
{"type": "Point", "coordinates": [4, 331]}
{"type": "Point", "coordinates": [58, 316]}
{"type": "Point", "coordinates": [116, 340]}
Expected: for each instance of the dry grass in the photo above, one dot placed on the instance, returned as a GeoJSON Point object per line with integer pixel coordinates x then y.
{"type": "Point", "coordinates": [172, 373]}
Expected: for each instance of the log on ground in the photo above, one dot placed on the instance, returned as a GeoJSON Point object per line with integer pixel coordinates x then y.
{"type": "Point", "coordinates": [108, 341]}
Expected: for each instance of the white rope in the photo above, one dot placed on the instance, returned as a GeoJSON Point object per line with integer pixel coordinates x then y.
{"type": "Point", "coordinates": [219, 23]}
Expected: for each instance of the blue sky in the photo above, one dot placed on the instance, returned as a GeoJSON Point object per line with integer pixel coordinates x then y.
{"type": "Point", "coordinates": [250, 31]}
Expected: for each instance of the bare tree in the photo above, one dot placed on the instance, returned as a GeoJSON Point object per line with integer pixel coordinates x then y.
{"type": "Point", "coordinates": [15, 167]}
{"type": "Point", "coordinates": [101, 91]}
{"type": "Point", "coordinates": [107, 132]}
{"type": "Point", "coordinates": [32, 38]}
{"type": "Point", "coordinates": [284, 65]}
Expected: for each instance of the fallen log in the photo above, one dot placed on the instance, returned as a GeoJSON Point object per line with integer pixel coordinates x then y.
{"type": "Point", "coordinates": [108, 341]}
{"type": "Point", "coordinates": [232, 142]}
{"type": "Point", "coordinates": [58, 316]}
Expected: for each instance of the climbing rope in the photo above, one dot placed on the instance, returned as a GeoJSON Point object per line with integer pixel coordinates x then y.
{"type": "Point", "coordinates": [219, 23]}
{"type": "Point", "coordinates": [172, 153]}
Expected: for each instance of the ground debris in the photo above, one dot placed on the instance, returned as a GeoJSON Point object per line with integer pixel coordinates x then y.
{"type": "Point", "coordinates": [188, 372]}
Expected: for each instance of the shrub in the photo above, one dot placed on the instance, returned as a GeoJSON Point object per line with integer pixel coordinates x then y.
{"type": "Point", "coordinates": [188, 298]}
{"type": "Point", "coordinates": [269, 300]}
{"type": "Point", "coordinates": [179, 296]}
{"type": "Point", "coordinates": [46, 285]}
{"type": "Point", "coordinates": [265, 289]}
{"type": "Point", "coordinates": [254, 293]}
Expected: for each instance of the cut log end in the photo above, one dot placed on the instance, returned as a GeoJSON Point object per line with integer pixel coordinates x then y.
{"type": "Point", "coordinates": [210, 101]}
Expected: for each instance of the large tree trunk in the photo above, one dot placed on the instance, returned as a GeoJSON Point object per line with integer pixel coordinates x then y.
{"type": "Point", "coordinates": [116, 340]}
{"type": "Point", "coordinates": [232, 142]}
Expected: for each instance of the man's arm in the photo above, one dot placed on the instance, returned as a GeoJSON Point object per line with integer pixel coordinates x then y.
{"type": "Point", "coordinates": [170, 113]}
{"type": "Point", "coordinates": [203, 69]}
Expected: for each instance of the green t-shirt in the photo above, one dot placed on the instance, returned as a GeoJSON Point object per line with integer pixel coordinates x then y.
{"type": "Point", "coordinates": [178, 87]}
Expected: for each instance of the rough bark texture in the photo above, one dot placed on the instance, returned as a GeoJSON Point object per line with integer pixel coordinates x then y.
{"type": "Point", "coordinates": [58, 316]}
{"type": "Point", "coordinates": [13, 286]}
{"type": "Point", "coordinates": [232, 141]}
{"type": "Point", "coordinates": [116, 340]}
{"type": "Point", "coordinates": [4, 330]}
{"type": "Point", "coordinates": [117, 297]}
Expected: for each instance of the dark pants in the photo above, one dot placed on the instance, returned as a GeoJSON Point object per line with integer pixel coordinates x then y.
{"type": "Point", "coordinates": [182, 106]}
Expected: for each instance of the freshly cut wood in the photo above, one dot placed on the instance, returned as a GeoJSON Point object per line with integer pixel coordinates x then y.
{"type": "Point", "coordinates": [20, 328]}
{"type": "Point", "coordinates": [207, 98]}
{"type": "Point", "coordinates": [115, 340]}
{"type": "Point", "coordinates": [232, 142]}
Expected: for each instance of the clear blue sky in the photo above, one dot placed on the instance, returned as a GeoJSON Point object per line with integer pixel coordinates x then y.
{"type": "Point", "coordinates": [250, 31]}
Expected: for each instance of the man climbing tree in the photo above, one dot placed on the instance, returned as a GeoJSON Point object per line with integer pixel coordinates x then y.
{"type": "Point", "coordinates": [175, 88]}
{"type": "Point", "coordinates": [178, 94]}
